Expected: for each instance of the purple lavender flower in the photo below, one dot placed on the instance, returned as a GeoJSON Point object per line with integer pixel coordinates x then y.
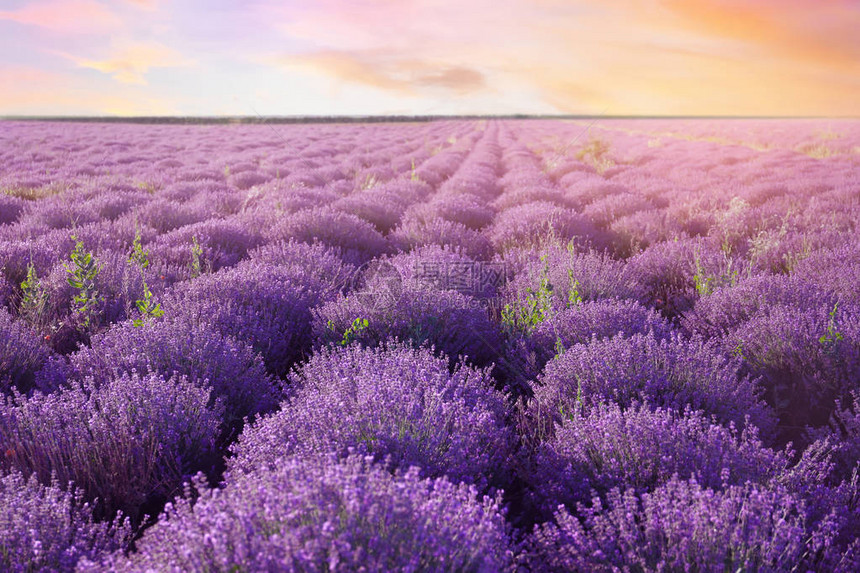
{"type": "Point", "coordinates": [683, 526]}
{"type": "Point", "coordinates": [197, 351]}
{"type": "Point", "coordinates": [454, 323]}
{"type": "Point", "coordinates": [224, 243]}
{"type": "Point", "coordinates": [127, 441]}
{"type": "Point", "coordinates": [672, 274]}
{"type": "Point", "coordinates": [334, 228]}
{"type": "Point", "coordinates": [588, 320]}
{"type": "Point", "coordinates": [382, 210]}
{"type": "Point", "coordinates": [10, 209]}
{"type": "Point", "coordinates": [466, 208]}
{"type": "Point", "coordinates": [414, 232]}
{"type": "Point", "coordinates": [394, 402]}
{"type": "Point", "coordinates": [43, 528]}
{"type": "Point", "coordinates": [670, 373]}
{"type": "Point", "coordinates": [22, 354]}
{"type": "Point", "coordinates": [266, 306]}
{"type": "Point", "coordinates": [317, 513]}
{"type": "Point", "coordinates": [642, 448]}
{"type": "Point", "coordinates": [536, 222]}
{"type": "Point", "coordinates": [594, 276]}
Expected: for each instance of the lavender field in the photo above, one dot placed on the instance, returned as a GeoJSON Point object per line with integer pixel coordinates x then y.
{"type": "Point", "coordinates": [495, 345]}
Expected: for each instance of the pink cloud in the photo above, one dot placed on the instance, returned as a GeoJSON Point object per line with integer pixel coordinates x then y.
{"type": "Point", "coordinates": [627, 56]}
{"type": "Point", "coordinates": [68, 16]}
{"type": "Point", "coordinates": [581, 56]}
{"type": "Point", "coordinates": [821, 30]}
{"type": "Point", "coordinates": [145, 4]}
{"type": "Point", "coordinates": [130, 64]}
{"type": "Point", "coordinates": [29, 90]}
{"type": "Point", "coordinates": [388, 70]}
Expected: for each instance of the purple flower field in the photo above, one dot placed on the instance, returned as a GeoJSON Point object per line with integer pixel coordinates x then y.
{"type": "Point", "coordinates": [504, 345]}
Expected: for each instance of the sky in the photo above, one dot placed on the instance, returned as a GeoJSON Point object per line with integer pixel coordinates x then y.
{"type": "Point", "coordinates": [430, 57]}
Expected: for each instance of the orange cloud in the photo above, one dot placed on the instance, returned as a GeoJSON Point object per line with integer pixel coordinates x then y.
{"type": "Point", "coordinates": [791, 57]}
{"type": "Point", "coordinates": [69, 16]}
{"type": "Point", "coordinates": [347, 67]}
{"type": "Point", "coordinates": [722, 57]}
{"type": "Point", "coordinates": [145, 4]}
{"type": "Point", "coordinates": [824, 31]}
{"type": "Point", "coordinates": [386, 70]}
{"type": "Point", "coordinates": [459, 79]}
{"type": "Point", "coordinates": [130, 64]}
{"type": "Point", "coordinates": [31, 91]}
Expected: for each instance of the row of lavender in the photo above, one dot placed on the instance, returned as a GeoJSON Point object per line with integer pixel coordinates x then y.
{"type": "Point", "coordinates": [667, 379]}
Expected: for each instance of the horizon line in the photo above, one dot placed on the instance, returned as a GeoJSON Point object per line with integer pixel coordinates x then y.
{"type": "Point", "coordinates": [260, 119]}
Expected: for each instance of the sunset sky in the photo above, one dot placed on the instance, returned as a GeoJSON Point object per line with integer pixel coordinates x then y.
{"type": "Point", "coordinates": [414, 57]}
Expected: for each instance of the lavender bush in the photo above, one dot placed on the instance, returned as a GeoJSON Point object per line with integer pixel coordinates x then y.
{"type": "Point", "coordinates": [535, 222]}
{"type": "Point", "coordinates": [641, 448]}
{"type": "Point", "coordinates": [595, 320]}
{"type": "Point", "coordinates": [415, 232]}
{"type": "Point", "coordinates": [22, 354]}
{"type": "Point", "coordinates": [728, 307]}
{"type": "Point", "coordinates": [393, 402]}
{"type": "Point", "coordinates": [44, 528]}
{"type": "Point", "coordinates": [128, 441]}
{"type": "Point", "coordinates": [382, 210]}
{"type": "Point", "coordinates": [673, 274]}
{"type": "Point", "coordinates": [835, 269]}
{"type": "Point", "coordinates": [670, 373]}
{"type": "Point", "coordinates": [806, 358]}
{"type": "Point", "coordinates": [10, 209]}
{"type": "Point", "coordinates": [591, 275]}
{"type": "Point", "coordinates": [464, 208]}
{"type": "Point", "coordinates": [315, 263]}
{"type": "Point", "coordinates": [359, 240]}
{"type": "Point", "coordinates": [454, 323]}
{"type": "Point", "coordinates": [197, 351]}
{"type": "Point", "coordinates": [267, 307]}
{"type": "Point", "coordinates": [684, 526]}
{"type": "Point", "coordinates": [222, 242]}
{"type": "Point", "coordinates": [318, 513]}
